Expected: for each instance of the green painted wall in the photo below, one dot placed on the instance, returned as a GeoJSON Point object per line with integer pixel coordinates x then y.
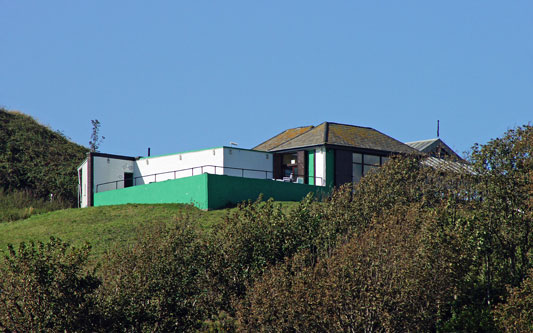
{"type": "Point", "coordinates": [330, 168]}
{"type": "Point", "coordinates": [183, 190]}
{"type": "Point", "coordinates": [311, 167]}
{"type": "Point", "coordinates": [227, 190]}
{"type": "Point", "coordinates": [207, 191]}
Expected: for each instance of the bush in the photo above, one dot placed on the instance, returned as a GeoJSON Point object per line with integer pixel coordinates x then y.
{"type": "Point", "coordinates": [157, 284]}
{"type": "Point", "coordinates": [395, 276]}
{"type": "Point", "coordinates": [45, 288]}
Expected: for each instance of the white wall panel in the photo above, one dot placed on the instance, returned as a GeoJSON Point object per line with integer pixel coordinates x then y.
{"type": "Point", "coordinates": [248, 163]}
{"type": "Point", "coordinates": [320, 166]}
{"type": "Point", "coordinates": [84, 185]}
{"type": "Point", "coordinates": [161, 168]}
{"type": "Point", "coordinates": [106, 169]}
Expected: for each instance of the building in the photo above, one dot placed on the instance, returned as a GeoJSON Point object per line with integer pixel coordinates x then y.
{"type": "Point", "coordinates": [286, 167]}
{"type": "Point", "coordinates": [331, 153]}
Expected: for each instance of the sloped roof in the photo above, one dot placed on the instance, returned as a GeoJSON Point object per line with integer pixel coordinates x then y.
{"type": "Point", "coordinates": [282, 138]}
{"type": "Point", "coordinates": [431, 146]}
{"type": "Point", "coordinates": [422, 145]}
{"type": "Point", "coordinates": [447, 165]}
{"type": "Point", "coordinates": [340, 135]}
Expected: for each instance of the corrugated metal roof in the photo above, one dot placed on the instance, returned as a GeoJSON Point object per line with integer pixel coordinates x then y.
{"type": "Point", "coordinates": [447, 165]}
{"type": "Point", "coordinates": [343, 135]}
{"type": "Point", "coordinates": [422, 145]}
{"type": "Point", "coordinates": [432, 146]}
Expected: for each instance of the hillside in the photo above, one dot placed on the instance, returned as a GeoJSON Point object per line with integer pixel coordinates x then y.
{"type": "Point", "coordinates": [37, 159]}
{"type": "Point", "coordinates": [102, 227]}
{"type": "Point", "coordinates": [105, 227]}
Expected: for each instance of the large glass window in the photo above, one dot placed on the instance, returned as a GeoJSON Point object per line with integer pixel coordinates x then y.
{"type": "Point", "coordinates": [364, 164]}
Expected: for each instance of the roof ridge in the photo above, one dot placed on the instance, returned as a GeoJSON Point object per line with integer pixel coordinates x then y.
{"type": "Point", "coordinates": [434, 139]}
{"type": "Point", "coordinates": [334, 123]}
{"type": "Point", "coordinates": [294, 138]}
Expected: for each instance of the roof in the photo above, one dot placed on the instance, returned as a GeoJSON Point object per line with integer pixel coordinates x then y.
{"type": "Point", "coordinates": [447, 165]}
{"type": "Point", "coordinates": [422, 145]}
{"type": "Point", "coordinates": [329, 133]}
{"type": "Point", "coordinates": [432, 146]}
{"type": "Point", "coordinates": [282, 138]}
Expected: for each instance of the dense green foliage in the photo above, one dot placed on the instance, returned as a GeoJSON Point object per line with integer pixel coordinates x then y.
{"type": "Point", "coordinates": [43, 288]}
{"type": "Point", "coordinates": [408, 249]}
{"type": "Point", "coordinates": [157, 283]}
{"type": "Point", "coordinates": [516, 315]}
{"type": "Point", "coordinates": [36, 159]}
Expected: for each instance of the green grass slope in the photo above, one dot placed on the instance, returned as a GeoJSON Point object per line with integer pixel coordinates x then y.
{"type": "Point", "coordinates": [102, 227]}
{"type": "Point", "coordinates": [107, 226]}
{"type": "Point", "coordinates": [37, 159]}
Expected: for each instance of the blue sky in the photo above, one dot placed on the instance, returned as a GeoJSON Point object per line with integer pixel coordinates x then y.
{"type": "Point", "coordinates": [184, 75]}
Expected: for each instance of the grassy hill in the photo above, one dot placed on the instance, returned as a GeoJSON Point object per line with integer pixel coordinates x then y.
{"type": "Point", "coordinates": [36, 159]}
{"type": "Point", "coordinates": [102, 227]}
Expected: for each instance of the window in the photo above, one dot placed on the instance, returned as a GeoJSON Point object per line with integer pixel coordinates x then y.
{"type": "Point", "coordinates": [363, 164]}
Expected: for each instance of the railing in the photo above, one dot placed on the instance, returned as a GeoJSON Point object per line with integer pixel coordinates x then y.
{"type": "Point", "coordinates": [203, 169]}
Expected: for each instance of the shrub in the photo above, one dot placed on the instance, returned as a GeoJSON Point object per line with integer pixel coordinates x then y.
{"type": "Point", "coordinates": [395, 276]}
{"type": "Point", "coordinates": [157, 284]}
{"type": "Point", "coordinates": [45, 288]}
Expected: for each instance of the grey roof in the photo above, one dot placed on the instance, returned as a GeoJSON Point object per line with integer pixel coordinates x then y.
{"type": "Point", "coordinates": [282, 138]}
{"type": "Point", "coordinates": [423, 145]}
{"type": "Point", "coordinates": [448, 165]}
{"type": "Point", "coordinates": [431, 146]}
{"type": "Point", "coordinates": [340, 135]}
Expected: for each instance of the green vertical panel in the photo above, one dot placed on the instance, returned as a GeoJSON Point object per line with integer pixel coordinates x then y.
{"type": "Point", "coordinates": [311, 167]}
{"type": "Point", "coordinates": [189, 190]}
{"type": "Point", "coordinates": [330, 168]}
{"type": "Point", "coordinates": [225, 191]}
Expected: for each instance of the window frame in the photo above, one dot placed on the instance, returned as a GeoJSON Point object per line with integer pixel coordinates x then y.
{"type": "Point", "coordinates": [365, 166]}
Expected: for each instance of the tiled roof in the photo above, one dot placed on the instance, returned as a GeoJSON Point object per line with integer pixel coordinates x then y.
{"type": "Point", "coordinates": [313, 137]}
{"type": "Point", "coordinates": [340, 135]}
{"type": "Point", "coordinates": [282, 138]}
{"type": "Point", "coordinates": [364, 137]}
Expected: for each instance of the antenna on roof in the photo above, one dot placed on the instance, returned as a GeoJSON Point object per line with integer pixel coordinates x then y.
{"type": "Point", "coordinates": [438, 125]}
{"type": "Point", "coordinates": [233, 143]}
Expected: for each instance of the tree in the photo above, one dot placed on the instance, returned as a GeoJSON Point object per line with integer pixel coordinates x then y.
{"type": "Point", "coordinates": [96, 139]}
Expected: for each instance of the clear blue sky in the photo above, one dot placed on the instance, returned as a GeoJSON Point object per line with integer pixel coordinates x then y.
{"type": "Point", "coordinates": [183, 75]}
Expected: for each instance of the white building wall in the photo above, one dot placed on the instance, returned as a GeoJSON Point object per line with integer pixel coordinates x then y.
{"type": "Point", "coordinates": [83, 184]}
{"type": "Point", "coordinates": [161, 168]}
{"type": "Point", "coordinates": [320, 166]}
{"type": "Point", "coordinates": [106, 169]}
{"type": "Point", "coordinates": [108, 172]}
{"type": "Point", "coordinates": [248, 163]}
